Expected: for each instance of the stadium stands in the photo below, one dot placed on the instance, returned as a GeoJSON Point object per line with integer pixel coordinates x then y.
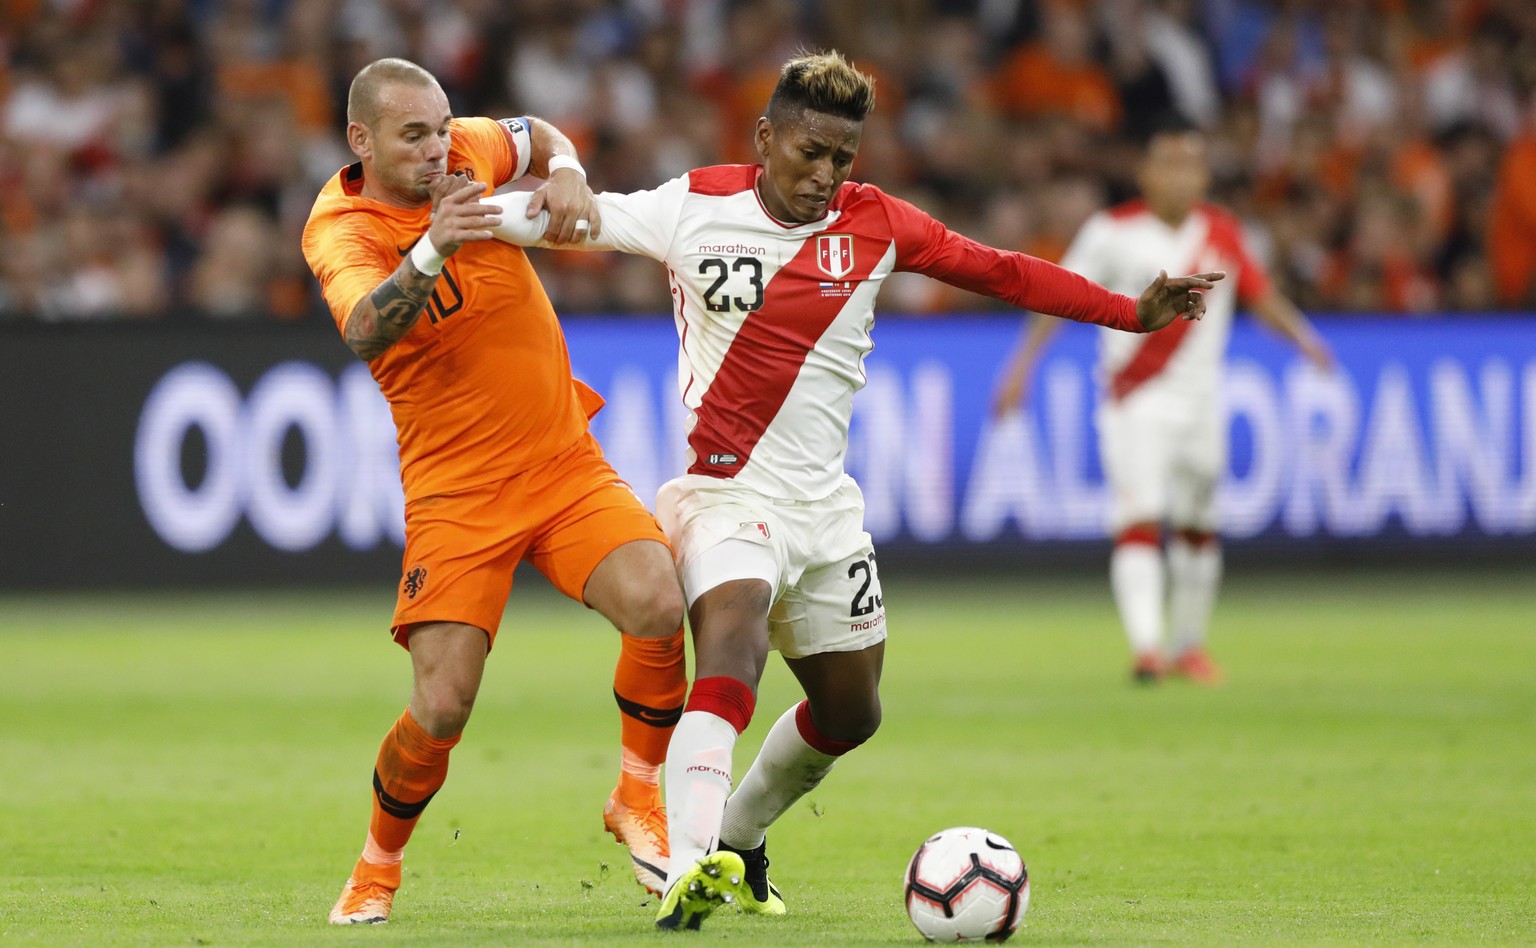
{"type": "Point", "coordinates": [157, 160]}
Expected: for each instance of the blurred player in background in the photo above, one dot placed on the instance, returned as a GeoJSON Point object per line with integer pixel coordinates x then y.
{"type": "Point", "coordinates": [1162, 428]}
{"type": "Point", "coordinates": [774, 270]}
{"type": "Point", "coordinates": [496, 458]}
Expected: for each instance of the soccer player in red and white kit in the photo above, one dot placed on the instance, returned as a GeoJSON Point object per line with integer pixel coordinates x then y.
{"type": "Point", "coordinates": [774, 270]}
{"type": "Point", "coordinates": [1162, 430]}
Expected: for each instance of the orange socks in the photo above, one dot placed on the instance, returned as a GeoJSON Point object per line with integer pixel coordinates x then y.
{"type": "Point", "coordinates": [649, 684]}
{"type": "Point", "coordinates": [411, 767]}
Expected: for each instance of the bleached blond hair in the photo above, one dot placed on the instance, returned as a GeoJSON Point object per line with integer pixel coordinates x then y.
{"type": "Point", "coordinates": [821, 82]}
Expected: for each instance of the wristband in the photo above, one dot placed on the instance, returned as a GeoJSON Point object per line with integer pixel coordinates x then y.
{"type": "Point", "coordinates": [426, 258]}
{"type": "Point", "coordinates": [556, 162]}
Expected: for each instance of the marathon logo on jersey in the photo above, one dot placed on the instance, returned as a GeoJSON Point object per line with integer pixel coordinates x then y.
{"type": "Point", "coordinates": [724, 460]}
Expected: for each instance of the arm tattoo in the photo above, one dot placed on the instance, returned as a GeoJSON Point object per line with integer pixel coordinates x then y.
{"type": "Point", "coordinates": [390, 311]}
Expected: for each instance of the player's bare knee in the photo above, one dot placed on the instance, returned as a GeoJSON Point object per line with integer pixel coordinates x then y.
{"type": "Point", "coordinates": [654, 611]}
{"type": "Point", "coordinates": [443, 712]}
{"type": "Point", "coordinates": [852, 725]}
{"type": "Point", "coordinates": [863, 728]}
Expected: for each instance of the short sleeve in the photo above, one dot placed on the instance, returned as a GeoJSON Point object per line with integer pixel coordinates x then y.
{"type": "Point", "coordinates": [1253, 281]}
{"type": "Point", "coordinates": [347, 262]}
{"type": "Point", "coordinates": [496, 143]}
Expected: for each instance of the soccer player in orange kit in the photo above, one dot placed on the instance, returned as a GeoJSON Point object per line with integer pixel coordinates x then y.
{"type": "Point", "coordinates": [496, 457]}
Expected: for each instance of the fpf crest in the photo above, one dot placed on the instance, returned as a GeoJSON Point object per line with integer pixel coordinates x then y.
{"type": "Point", "coordinates": [834, 255]}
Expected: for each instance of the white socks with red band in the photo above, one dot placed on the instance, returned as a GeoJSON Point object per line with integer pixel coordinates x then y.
{"type": "Point", "coordinates": [794, 759]}
{"type": "Point", "coordinates": [1136, 578]}
{"type": "Point", "coordinates": [698, 773]}
{"type": "Point", "coordinates": [1194, 575]}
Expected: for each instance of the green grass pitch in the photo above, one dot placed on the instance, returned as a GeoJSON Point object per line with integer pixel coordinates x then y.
{"type": "Point", "coordinates": [193, 769]}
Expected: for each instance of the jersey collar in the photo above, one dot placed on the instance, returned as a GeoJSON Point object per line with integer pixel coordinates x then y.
{"type": "Point", "coordinates": [825, 217]}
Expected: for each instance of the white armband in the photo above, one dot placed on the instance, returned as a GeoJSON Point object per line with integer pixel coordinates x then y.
{"type": "Point", "coordinates": [426, 258]}
{"type": "Point", "coordinates": [556, 162]}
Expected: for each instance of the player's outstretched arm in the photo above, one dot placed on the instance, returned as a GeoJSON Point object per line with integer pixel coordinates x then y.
{"type": "Point", "coordinates": [389, 312]}
{"type": "Point", "coordinates": [525, 227]}
{"type": "Point", "coordinates": [641, 222]}
{"type": "Point", "coordinates": [924, 245]}
{"type": "Point", "coordinates": [1019, 372]}
{"type": "Point", "coordinates": [1280, 313]}
{"type": "Point", "coordinates": [1169, 298]}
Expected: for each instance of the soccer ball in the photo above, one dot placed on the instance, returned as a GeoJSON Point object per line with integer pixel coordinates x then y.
{"type": "Point", "coordinates": [966, 884]}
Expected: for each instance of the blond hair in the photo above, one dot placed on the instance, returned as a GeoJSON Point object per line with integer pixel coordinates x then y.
{"type": "Point", "coordinates": [363, 95]}
{"type": "Point", "coordinates": [821, 82]}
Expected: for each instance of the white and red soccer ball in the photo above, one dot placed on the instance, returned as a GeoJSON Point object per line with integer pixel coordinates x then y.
{"type": "Point", "coordinates": [966, 884]}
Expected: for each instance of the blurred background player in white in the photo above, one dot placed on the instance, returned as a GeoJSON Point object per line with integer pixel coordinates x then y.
{"type": "Point", "coordinates": [774, 270]}
{"type": "Point", "coordinates": [1161, 423]}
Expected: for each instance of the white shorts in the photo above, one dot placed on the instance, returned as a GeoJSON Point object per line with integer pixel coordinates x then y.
{"type": "Point", "coordinates": [815, 555]}
{"type": "Point", "coordinates": [1163, 456]}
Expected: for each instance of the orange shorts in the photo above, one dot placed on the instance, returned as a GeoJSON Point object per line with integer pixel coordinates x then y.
{"type": "Point", "coordinates": [563, 516]}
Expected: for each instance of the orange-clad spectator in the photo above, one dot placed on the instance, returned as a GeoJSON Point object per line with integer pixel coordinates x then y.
{"type": "Point", "coordinates": [1415, 166]}
{"type": "Point", "coordinates": [1422, 34]}
{"type": "Point", "coordinates": [1419, 171]}
{"type": "Point", "coordinates": [256, 62]}
{"type": "Point", "coordinates": [1379, 270]}
{"type": "Point", "coordinates": [1057, 74]}
{"type": "Point", "coordinates": [300, 83]}
{"type": "Point", "coordinates": [1312, 157]}
{"type": "Point", "coordinates": [1512, 221]}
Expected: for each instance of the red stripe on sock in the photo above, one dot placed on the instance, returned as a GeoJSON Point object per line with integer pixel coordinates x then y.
{"type": "Point", "coordinates": [1143, 533]}
{"type": "Point", "coordinates": [815, 738]}
{"type": "Point", "coordinates": [1197, 538]}
{"type": "Point", "coordinates": [724, 697]}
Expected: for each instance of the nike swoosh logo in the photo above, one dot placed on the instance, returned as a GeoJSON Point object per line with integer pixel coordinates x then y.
{"type": "Point", "coordinates": [656, 717]}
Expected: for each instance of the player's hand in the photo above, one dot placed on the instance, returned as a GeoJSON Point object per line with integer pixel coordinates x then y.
{"type": "Point", "coordinates": [1169, 298]}
{"type": "Point", "coordinates": [458, 214]}
{"type": "Point", "coordinates": [572, 208]}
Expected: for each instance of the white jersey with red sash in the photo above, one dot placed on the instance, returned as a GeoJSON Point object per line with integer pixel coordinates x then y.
{"type": "Point", "coordinates": [1124, 248]}
{"type": "Point", "coordinates": [774, 319]}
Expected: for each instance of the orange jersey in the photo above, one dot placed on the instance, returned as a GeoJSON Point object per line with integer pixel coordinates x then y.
{"type": "Point", "coordinates": [480, 387]}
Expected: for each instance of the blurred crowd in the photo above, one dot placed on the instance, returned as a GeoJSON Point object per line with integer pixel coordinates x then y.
{"type": "Point", "coordinates": [158, 158]}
